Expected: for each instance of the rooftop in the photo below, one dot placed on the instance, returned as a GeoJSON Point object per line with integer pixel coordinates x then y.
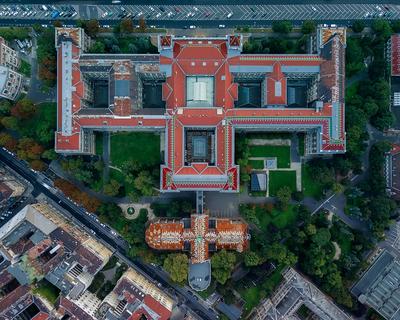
{"type": "Point", "coordinates": [207, 83]}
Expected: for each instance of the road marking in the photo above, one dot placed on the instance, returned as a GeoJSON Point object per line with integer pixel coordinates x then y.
{"type": "Point", "coordinates": [327, 200]}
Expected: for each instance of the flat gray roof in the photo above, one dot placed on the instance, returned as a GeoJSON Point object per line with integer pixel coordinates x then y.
{"type": "Point", "coordinates": [372, 273]}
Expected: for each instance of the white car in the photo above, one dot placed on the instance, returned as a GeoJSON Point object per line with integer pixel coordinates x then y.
{"type": "Point", "coordinates": [192, 27]}
{"type": "Point", "coordinates": [221, 26]}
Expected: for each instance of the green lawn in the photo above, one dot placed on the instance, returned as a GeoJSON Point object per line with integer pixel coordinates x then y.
{"type": "Point", "coordinates": [279, 219]}
{"type": "Point", "coordinates": [25, 68]}
{"type": "Point", "coordinates": [345, 245]}
{"type": "Point", "coordinates": [143, 147]}
{"type": "Point", "coordinates": [279, 179]}
{"type": "Point", "coordinates": [256, 164]}
{"type": "Point", "coordinates": [282, 153]}
{"type": "Point", "coordinates": [252, 298]}
{"type": "Point", "coordinates": [252, 295]}
{"type": "Point", "coordinates": [47, 290]}
{"type": "Point", "coordinates": [42, 125]}
{"type": "Point", "coordinates": [99, 143]}
{"type": "Point", "coordinates": [301, 144]}
{"type": "Point", "coordinates": [310, 187]}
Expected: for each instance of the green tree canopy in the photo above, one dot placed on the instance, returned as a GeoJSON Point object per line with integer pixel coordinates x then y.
{"type": "Point", "coordinates": [252, 259]}
{"type": "Point", "coordinates": [176, 264]}
{"type": "Point", "coordinates": [358, 26]}
{"type": "Point", "coordinates": [222, 264]}
{"type": "Point", "coordinates": [284, 195]}
{"type": "Point", "coordinates": [308, 27]}
{"type": "Point", "coordinates": [282, 26]}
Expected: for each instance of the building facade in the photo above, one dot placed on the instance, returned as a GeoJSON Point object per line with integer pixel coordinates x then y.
{"type": "Point", "coordinates": [379, 287]}
{"type": "Point", "coordinates": [10, 83]}
{"type": "Point", "coordinates": [199, 92]}
{"type": "Point", "coordinates": [294, 292]}
{"type": "Point", "coordinates": [8, 57]}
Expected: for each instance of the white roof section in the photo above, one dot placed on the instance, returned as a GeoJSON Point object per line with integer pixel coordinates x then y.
{"type": "Point", "coordinates": [67, 88]}
{"type": "Point", "coordinates": [3, 77]}
{"type": "Point", "coordinates": [200, 91]}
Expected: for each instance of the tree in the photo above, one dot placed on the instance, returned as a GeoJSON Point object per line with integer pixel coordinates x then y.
{"type": "Point", "coordinates": [222, 264]}
{"type": "Point", "coordinates": [284, 195]}
{"type": "Point", "coordinates": [308, 27]}
{"type": "Point", "coordinates": [5, 138]}
{"type": "Point", "coordinates": [112, 188]}
{"type": "Point", "coordinates": [249, 214]}
{"type": "Point", "coordinates": [23, 109]}
{"type": "Point", "coordinates": [358, 26]}
{"type": "Point", "coordinates": [396, 26]}
{"type": "Point", "coordinates": [176, 264]}
{"type": "Point", "coordinates": [92, 27]}
{"type": "Point", "coordinates": [38, 165]}
{"type": "Point", "coordinates": [382, 28]}
{"type": "Point", "coordinates": [10, 123]}
{"type": "Point", "coordinates": [282, 26]}
{"type": "Point", "coordinates": [126, 26]}
{"type": "Point", "coordinates": [142, 24]}
{"type": "Point", "coordinates": [252, 259]}
{"type": "Point", "coordinates": [50, 154]}
{"type": "Point", "coordinates": [144, 183]}
{"type": "Point", "coordinates": [337, 187]}
{"type": "Point", "coordinates": [5, 107]}
{"type": "Point", "coordinates": [279, 253]}
{"type": "Point", "coordinates": [321, 237]}
{"type": "Point", "coordinates": [97, 47]}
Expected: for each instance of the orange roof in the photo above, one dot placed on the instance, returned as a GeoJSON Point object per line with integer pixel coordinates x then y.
{"type": "Point", "coordinates": [228, 234]}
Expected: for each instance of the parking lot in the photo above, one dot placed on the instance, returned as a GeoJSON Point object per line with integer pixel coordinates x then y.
{"type": "Point", "coordinates": [191, 14]}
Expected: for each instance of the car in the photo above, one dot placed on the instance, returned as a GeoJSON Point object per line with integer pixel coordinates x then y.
{"type": "Point", "coordinates": [221, 26]}
{"type": "Point", "coordinates": [192, 27]}
{"type": "Point", "coordinates": [314, 8]}
{"type": "Point", "coordinates": [158, 15]}
{"type": "Point", "coordinates": [230, 14]}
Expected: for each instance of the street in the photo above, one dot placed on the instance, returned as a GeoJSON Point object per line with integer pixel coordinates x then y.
{"type": "Point", "coordinates": [185, 15]}
{"type": "Point", "coordinates": [114, 242]}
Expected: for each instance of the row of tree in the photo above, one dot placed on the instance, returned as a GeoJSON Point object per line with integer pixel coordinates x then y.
{"type": "Point", "coordinates": [28, 130]}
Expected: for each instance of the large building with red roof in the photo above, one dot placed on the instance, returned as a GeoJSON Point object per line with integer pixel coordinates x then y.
{"type": "Point", "coordinates": [208, 90]}
{"type": "Point", "coordinates": [199, 236]}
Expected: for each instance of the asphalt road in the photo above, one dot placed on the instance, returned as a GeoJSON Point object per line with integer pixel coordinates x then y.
{"type": "Point", "coordinates": [178, 15]}
{"type": "Point", "coordinates": [194, 2]}
{"type": "Point", "coordinates": [42, 185]}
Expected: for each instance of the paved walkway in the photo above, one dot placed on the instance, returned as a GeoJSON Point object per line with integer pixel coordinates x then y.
{"type": "Point", "coordinates": [106, 156]}
{"type": "Point", "coordinates": [269, 142]}
{"type": "Point", "coordinates": [35, 92]}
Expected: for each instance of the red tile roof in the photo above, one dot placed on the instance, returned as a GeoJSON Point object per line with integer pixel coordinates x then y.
{"type": "Point", "coordinates": [209, 57]}
{"type": "Point", "coordinates": [396, 55]}
{"type": "Point", "coordinates": [170, 234]}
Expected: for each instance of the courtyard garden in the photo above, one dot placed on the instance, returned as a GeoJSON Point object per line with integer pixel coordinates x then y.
{"type": "Point", "coordinates": [282, 153]}
{"type": "Point", "coordinates": [279, 179]}
{"type": "Point", "coordinates": [142, 147]}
